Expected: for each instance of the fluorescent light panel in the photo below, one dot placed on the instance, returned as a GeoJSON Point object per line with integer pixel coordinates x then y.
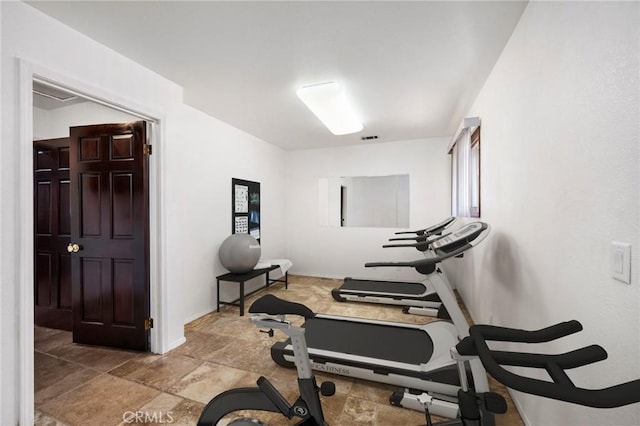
{"type": "Point", "coordinates": [330, 104]}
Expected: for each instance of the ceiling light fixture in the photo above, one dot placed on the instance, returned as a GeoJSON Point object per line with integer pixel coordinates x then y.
{"type": "Point", "coordinates": [330, 104]}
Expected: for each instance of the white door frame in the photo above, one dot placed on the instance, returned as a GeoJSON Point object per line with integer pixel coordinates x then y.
{"type": "Point", "coordinates": [27, 71]}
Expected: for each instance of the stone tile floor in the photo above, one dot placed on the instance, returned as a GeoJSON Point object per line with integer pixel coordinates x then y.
{"type": "Point", "coordinates": [84, 385]}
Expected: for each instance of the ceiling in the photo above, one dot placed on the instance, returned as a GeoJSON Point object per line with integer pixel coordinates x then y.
{"type": "Point", "coordinates": [412, 69]}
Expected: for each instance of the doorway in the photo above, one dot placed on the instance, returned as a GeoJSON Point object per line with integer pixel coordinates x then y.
{"type": "Point", "coordinates": [29, 72]}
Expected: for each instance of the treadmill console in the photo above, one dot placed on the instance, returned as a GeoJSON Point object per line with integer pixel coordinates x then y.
{"type": "Point", "coordinates": [462, 236]}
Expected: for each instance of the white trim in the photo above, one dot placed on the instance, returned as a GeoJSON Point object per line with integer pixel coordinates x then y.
{"type": "Point", "coordinates": [24, 274]}
{"type": "Point", "coordinates": [28, 71]}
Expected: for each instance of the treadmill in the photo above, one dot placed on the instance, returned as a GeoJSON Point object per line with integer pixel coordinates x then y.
{"type": "Point", "coordinates": [408, 355]}
{"type": "Point", "coordinates": [419, 294]}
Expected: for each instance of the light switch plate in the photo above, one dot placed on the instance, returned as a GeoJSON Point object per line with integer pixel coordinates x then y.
{"type": "Point", "coordinates": [621, 261]}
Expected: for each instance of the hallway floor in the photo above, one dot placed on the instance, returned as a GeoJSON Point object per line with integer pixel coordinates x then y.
{"type": "Point", "coordinates": [84, 385]}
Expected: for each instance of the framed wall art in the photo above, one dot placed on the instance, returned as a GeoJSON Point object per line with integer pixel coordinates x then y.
{"type": "Point", "coordinates": [245, 202]}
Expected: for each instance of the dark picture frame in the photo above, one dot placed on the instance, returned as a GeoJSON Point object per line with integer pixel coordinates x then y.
{"type": "Point", "coordinates": [245, 207]}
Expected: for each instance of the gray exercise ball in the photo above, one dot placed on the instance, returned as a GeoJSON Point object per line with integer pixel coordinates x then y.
{"type": "Point", "coordinates": [239, 253]}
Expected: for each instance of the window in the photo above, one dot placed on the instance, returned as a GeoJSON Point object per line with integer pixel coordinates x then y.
{"type": "Point", "coordinates": [465, 170]}
{"type": "Point", "coordinates": [474, 174]}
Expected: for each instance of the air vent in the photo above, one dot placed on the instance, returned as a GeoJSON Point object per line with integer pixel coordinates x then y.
{"type": "Point", "coordinates": [368, 138]}
{"type": "Point", "coordinates": [52, 93]}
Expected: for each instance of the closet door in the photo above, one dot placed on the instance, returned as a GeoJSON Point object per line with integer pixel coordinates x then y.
{"type": "Point", "coordinates": [52, 229]}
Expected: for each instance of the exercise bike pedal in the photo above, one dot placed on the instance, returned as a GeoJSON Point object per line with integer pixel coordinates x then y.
{"type": "Point", "coordinates": [269, 332]}
{"type": "Point", "coordinates": [495, 403]}
{"type": "Point", "coordinates": [327, 389]}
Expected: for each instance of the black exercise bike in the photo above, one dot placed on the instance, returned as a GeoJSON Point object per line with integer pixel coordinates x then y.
{"type": "Point", "coordinates": [475, 409]}
{"type": "Point", "coordinates": [270, 314]}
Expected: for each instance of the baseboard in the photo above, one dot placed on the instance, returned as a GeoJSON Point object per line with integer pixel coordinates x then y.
{"type": "Point", "coordinates": [196, 316]}
{"type": "Point", "coordinates": [177, 343]}
{"type": "Point", "coordinates": [516, 402]}
{"type": "Point", "coordinates": [316, 275]}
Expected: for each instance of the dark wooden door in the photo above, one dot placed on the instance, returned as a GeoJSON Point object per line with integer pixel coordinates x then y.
{"type": "Point", "coordinates": [52, 262]}
{"type": "Point", "coordinates": [110, 231]}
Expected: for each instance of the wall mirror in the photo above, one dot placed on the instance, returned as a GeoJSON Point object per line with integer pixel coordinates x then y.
{"type": "Point", "coordinates": [364, 201]}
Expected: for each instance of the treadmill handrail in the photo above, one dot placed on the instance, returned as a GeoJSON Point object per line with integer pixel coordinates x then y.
{"type": "Point", "coordinates": [418, 239]}
{"type": "Point", "coordinates": [457, 245]}
{"type": "Point", "coordinates": [425, 264]}
{"type": "Point", "coordinates": [434, 229]}
{"type": "Point", "coordinates": [422, 246]}
{"type": "Point", "coordinates": [561, 387]}
{"type": "Point", "coordinates": [423, 240]}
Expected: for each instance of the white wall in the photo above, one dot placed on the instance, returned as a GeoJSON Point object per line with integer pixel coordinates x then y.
{"type": "Point", "coordinates": [55, 123]}
{"type": "Point", "coordinates": [212, 153]}
{"type": "Point", "coordinates": [195, 178]}
{"type": "Point", "coordinates": [560, 181]}
{"type": "Point", "coordinates": [338, 251]}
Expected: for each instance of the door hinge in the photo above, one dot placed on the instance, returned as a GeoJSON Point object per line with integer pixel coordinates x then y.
{"type": "Point", "coordinates": [146, 150]}
{"type": "Point", "coordinates": [148, 323]}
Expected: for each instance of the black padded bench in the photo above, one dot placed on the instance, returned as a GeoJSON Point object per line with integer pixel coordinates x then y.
{"type": "Point", "coordinates": [241, 278]}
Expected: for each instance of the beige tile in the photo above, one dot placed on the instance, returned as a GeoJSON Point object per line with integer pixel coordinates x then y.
{"type": "Point", "coordinates": [157, 371]}
{"type": "Point", "coordinates": [209, 380]}
{"type": "Point", "coordinates": [389, 415]}
{"type": "Point", "coordinates": [163, 402]}
{"type": "Point", "coordinates": [186, 413]}
{"type": "Point", "coordinates": [183, 413]}
{"type": "Point", "coordinates": [332, 407]}
{"type": "Point", "coordinates": [46, 339]}
{"type": "Point", "coordinates": [203, 345]}
{"type": "Point", "coordinates": [54, 376]}
{"type": "Point", "coordinates": [232, 326]}
{"type": "Point", "coordinates": [358, 412]}
{"type": "Point", "coordinates": [100, 358]}
{"type": "Point", "coordinates": [41, 419]}
{"type": "Point", "coordinates": [287, 386]}
{"type": "Point", "coordinates": [103, 400]}
{"type": "Point", "coordinates": [249, 354]}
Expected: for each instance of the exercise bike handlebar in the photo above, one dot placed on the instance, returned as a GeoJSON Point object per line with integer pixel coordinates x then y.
{"type": "Point", "coordinates": [560, 387]}
{"type": "Point", "coordinates": [547, 334]}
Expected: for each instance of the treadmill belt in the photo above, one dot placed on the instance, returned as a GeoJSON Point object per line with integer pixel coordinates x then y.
{"type": "Point", "coordinates": [410, 289]}
{"type": "Point", "coordinates": [399, 344]}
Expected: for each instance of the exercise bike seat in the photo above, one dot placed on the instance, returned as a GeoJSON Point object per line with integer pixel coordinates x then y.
{"type": "Point", "coordinates": [272, 305]}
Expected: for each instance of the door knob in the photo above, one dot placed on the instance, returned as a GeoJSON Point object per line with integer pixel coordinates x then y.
{"type": "Point", "coordinates": [74, 248]}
